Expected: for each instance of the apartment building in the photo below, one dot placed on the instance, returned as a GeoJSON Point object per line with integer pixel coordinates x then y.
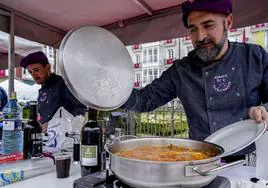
{"type": "Point", "coordinates": [151, 59]}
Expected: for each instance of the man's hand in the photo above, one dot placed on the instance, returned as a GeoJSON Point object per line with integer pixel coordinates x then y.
{"type": "Point", "coordinates": [44, 127]}
{"type": "Point", "coordinates": [258, 113]}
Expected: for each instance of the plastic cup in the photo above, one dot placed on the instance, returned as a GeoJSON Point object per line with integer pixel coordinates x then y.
{"type": "Point", "coordinates": [63, 162]}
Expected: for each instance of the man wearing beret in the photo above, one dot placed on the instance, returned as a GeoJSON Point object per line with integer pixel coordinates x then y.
{"type": "Point", "coordinates": [53, 93]}
{"type": "Point", "coordinates": [219, 82]}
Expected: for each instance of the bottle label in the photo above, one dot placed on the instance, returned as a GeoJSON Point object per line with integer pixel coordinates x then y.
{"type": "Point", "coordinates": [37, 143]}
{"type": "Point", "coordinates": [37, 148]}
{"type": "Point", "coordinates": [37, 136]}
{"type": "Point", "coordinates": [8, 125]}
{"type": "Point", "coordinates": [10, 176]}
{"type": "Point", "coordinates": [89, 155]}
{"type": "Point", "coordinates": [11, 125]}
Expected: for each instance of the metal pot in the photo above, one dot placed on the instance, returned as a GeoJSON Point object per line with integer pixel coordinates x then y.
{"type": "Point", "coordinates": [141, 173]}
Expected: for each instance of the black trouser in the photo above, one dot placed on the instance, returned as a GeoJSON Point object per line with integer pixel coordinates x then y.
{"type": "Point", "coordinates": [229, 159]}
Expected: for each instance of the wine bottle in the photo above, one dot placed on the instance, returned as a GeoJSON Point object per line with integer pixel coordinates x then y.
{"type": "Point", "coordinates": [33, 141]}
{"type": "Point", "coordinates": [91, 144]}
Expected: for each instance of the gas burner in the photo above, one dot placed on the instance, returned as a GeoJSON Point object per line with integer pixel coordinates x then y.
{"type": "Point", "coordinates": [105, 179]}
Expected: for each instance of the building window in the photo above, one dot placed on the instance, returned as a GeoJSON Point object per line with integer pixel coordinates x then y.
{"type": "Point", "coordinates": [156, 73]}
{"type": "Point", "coordinates": [155, 54]}
{"type": "Point", "coordinates": [170, 53]}
{"type": "Point", "coordinates": [50, 52]}
{"type": "Point", "coordinates": [144, 76]}
{"type": "Point", "coordinates": [138, 58]}
{"type": "Point", "coordinates": [138, 77]}
{"type": "Point", "coordinates": [144, 56]}
{"type": "Point", "coordinates": [150, 55]}
{"type": "Point", "coordinates": [149, 75]}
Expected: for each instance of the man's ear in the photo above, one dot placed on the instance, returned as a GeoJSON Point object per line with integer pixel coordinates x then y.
{"type": "Point", "coordinates": [229, 21]}
{"type": "Point", "coordinates": [48, 66]}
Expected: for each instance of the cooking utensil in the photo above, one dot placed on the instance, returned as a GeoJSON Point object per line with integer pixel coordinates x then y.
{"type": "Point", "coordinates": [237, 136]}
{"type": "Point", "coordinates": [96, 67]}
{"type": "Point", "coordinates": [141, 173]}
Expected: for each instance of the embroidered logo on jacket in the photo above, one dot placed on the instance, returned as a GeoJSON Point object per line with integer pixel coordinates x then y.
{"type": "Point", "coordinates": [43, 97]}
{"type": "Point", "coordinates": [221, 83]}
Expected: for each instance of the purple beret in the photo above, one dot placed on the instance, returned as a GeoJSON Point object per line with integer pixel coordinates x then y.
{"type": "Point", "coordinates": [218, 6]}
{"type": "Point", "coordinates": [36, 57]}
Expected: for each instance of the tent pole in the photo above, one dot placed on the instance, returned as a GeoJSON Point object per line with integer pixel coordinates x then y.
{"type": "Point", "coordinates": [11, 56]}
{"type": "Point", "coordinates": [55, 61]}
{"type": "Point", "coordinates": [144, 6]}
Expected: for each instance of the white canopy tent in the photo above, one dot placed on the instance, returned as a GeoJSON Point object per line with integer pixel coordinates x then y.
{"type": "Point", "coordinates": [23, 47]}
{"type": "Point", "coordinates": [132, 21]}
{"type": "Point", "coordinates": [24, 91]}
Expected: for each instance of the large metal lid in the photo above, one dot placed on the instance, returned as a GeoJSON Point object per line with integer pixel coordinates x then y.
{"type": "Point", "coordinates": [96, 67]}
{"type": "Point", "coordinates": [237, 136]}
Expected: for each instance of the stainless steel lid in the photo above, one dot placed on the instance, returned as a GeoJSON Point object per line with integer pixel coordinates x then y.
{"type": "Point", "coordinates": [96, 67]}
{"type": "Point", "coordinates": [237, 136]}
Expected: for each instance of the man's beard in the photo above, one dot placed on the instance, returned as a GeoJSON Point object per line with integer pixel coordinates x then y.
{"type": "Point", "coordinates": [209, 54]}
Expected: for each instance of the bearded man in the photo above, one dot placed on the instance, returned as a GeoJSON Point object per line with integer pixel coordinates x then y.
{"type": "Point", "coordinates": [218, 83]}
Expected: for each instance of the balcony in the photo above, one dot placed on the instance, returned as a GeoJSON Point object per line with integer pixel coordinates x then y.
{"type": "Point", "coordinates": [233, 32]}
{"type": "Point", "coordinates": [136, 48]}
{"type": "Point", "coordinates": [259, 27]}
{"type": "Point", "coordinates": [186, 40]}
{"type": "Point", "coordinates": [137, 84]}
{"type": "Point", "coordinates": [168, 61]}
{"type": "Point", "coordinates": [2, 73]}
{"type": "Point", "coordinates": [137, 65]}
{"type": "Point", "coordinates": [170, 42]}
